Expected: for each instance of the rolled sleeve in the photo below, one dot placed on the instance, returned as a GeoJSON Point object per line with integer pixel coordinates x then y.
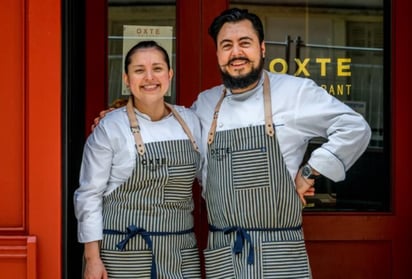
{"type": "Point", "coordinates": [88, 231]}
{"type": "Point", "coordinates": [346, 132]}
{"type": "Point", "coordinates": [347, 136]}
{"type": "Point", "coordinates": [328, 164]}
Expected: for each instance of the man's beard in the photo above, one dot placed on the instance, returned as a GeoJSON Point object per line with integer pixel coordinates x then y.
{"type": "Point", "coordinates": [244, 81]}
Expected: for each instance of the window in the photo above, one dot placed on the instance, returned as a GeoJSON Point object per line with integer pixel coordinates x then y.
{"type": "Point", "coordinates": [138, 13]}
{"type": "Point", "coordinates": [341, 45]}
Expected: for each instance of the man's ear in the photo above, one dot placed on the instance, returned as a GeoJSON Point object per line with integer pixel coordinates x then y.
{"type": "Point", "coordinates": [263, 49]}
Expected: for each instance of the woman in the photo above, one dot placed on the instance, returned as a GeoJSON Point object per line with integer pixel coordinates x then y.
{"type": "Point", "coordinates": [134, 204]}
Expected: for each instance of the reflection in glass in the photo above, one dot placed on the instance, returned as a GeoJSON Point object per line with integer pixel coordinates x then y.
{"type": "Point", "coordinates": [135, 13]}
{"type": "Point", "coordinates": [341, 45]}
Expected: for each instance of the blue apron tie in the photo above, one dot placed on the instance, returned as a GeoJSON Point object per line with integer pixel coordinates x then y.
{"type": "Point", "coordinates": [132, 231]}
{"type": "Point", "coordinates": [242, 235]}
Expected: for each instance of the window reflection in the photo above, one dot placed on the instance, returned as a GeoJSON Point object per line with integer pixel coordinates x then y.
{"type": "Point", "coordinates": [139, 13]}
{"type": "Point", "coordinates": [339, 44]}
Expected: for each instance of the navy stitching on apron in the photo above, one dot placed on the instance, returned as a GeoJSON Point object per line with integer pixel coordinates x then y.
{"type": "Point", "coordinates": [242, 235]}
{"type": "Point", "coordinates": [132, 231]}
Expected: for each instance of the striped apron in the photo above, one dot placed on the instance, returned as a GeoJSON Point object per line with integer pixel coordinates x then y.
{"type": "Point", "coordinates": [254, 212]}
{"type": "Point", "coordinates": [148, 222]}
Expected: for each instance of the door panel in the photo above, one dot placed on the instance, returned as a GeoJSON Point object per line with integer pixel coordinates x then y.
{"type": "Point", "coordinates": [350, 259]}
{"type": "Point", "coordinates": [12, 188]}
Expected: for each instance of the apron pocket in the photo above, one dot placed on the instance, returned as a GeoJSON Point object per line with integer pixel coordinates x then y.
{"type": "Point", "coordinates": [179, 187]}
{"type": "Point", "coordinates": [127, 264]}
{"type": "Point", "coordinates": [286, 259]}
{"type": "Point", "coordinates": [190, 263]}
{"type": "Point", "coordinates": [250, 169]}
{"type": "Point", "coordinates": [218, 263]}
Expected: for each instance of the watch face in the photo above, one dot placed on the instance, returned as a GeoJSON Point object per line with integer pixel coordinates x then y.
{"type": "Point", "coordinates": [306, 171]}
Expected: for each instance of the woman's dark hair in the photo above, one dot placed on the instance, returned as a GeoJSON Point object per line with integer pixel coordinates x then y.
{"type": "Point", "coordinates": [142, 45]}
{"type": "Point", "coordinates": [235, 15]}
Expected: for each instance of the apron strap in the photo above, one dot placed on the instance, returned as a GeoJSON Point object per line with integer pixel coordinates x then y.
{"type": "Point", "coordinates": [212, 129]}
{"type": "Point", "coordinates": [184, 126]}
{"type": "Point", "coordinates": [270, 131]}
{"type": "Point", "coordinates": [135, 128]}
{"type": "Point", "coordinates": [267, 102]}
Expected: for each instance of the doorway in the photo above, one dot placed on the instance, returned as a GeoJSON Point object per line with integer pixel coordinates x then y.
{"type": "Point", "coordinates": [350, 231]}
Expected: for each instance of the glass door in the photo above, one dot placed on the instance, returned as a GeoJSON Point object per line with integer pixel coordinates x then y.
{"type": "Point", "coordinates": [340, 45]}
{"type": "Point", "coordinates": [358, 228]}
{"type": "Point", "coordinates": [344, 46]}
{"type": "Point", "coordinates": [133, 21]}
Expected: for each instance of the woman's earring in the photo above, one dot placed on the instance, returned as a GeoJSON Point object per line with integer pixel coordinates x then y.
{"type": "Point", "coordinates": [126, 90]}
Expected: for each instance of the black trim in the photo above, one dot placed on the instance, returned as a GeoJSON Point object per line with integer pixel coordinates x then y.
{"type": "Point", "coordinates": [73, 118]}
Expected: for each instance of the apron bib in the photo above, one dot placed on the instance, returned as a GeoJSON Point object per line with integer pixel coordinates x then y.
{"type": "Point", "coordinates": [148, 220]}
{"type": "Point", "coordinates": [254, 212]}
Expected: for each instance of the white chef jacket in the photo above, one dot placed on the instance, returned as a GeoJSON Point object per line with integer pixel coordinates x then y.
{"type": "Point", "coordinates": [301, 111]}
{"type": "Point", "coordinates": [109, 157]}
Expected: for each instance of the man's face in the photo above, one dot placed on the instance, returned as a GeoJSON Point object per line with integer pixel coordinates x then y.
{"type": "Point", "coordinates": [239, 55]}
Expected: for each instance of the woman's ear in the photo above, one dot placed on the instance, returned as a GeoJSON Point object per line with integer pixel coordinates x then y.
{"type": "Point", "coordinates": [171, 73]}
{"type": "Point", "coordinates": [126, 80]}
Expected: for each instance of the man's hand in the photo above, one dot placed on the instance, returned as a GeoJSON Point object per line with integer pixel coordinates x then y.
{"type": "Point", "coordinates": [101, 115]}
{"type": "Point", "coordinates": [304, 187]}
{"type": "Point", "coordinates": [116, 104]}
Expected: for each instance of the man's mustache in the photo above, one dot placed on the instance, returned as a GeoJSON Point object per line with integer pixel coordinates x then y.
{"type": "Point", "coordinates": [234, 59]}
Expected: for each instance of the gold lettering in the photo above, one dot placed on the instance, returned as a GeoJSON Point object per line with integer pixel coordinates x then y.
{"type": "Point", "coordinates": [302, 67]}
{"type": "Point", "coordinates": [282, 62]}
{"type": "Point", "coordinates": [341, 71]}
{"type": "Point", "coordinates": [322, 62]}
{"type": "Point", "coordinates": [280, 66]}
{"type": "Point", "coordinates": [337, 89]}
{"type": "Point", "coordinates": [332, 90]}
{"type": "Point", "coordinates": [348, 87]}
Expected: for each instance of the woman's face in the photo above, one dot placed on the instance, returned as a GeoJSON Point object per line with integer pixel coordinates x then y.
{"type": "Point", "coordinates": [148, 76]}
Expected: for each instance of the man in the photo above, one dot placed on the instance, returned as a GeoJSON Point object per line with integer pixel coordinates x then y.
{"type": "Point", "coordinates": [255, 131]}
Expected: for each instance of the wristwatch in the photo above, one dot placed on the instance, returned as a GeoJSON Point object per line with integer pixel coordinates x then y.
{"type": "Point", "coordinates": [307, 172]}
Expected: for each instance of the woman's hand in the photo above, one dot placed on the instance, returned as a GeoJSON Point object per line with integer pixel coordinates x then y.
{"type": "Point", "coordinates": [94, 267]}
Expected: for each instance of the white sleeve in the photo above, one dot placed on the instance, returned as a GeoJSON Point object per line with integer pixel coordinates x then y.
{"type": "Point", "coordinates": [94, 175]}
{"type": "Point", "coordinates": [346, 132]}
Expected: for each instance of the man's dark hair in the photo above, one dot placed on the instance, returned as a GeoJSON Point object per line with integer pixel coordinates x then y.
{"type": "Point", "coordinates": [235, 15]}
